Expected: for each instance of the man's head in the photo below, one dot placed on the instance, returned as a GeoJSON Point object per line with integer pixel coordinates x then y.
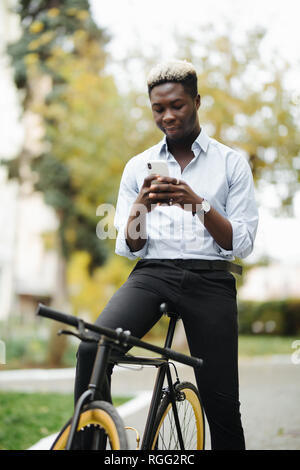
{"type": "Point", "coordinates": [174, 99]}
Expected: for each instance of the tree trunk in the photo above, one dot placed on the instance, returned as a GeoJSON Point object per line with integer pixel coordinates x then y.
{"type": "Point", "coordinates": [58, 344]}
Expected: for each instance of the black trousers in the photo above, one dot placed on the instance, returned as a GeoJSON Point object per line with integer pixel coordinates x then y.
{"type": "Point", "coordinates": [206, 301]}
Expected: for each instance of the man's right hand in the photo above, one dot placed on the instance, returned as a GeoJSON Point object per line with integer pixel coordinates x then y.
{"type": "Point", "coordinates": [136, 232]}
{"type": "Point", "coordinates": [144, 194]}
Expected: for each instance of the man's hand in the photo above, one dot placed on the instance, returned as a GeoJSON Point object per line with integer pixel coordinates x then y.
{"type": "Point", "coordinates": [173, 191]}
{"type": "Point", "coordinates": [179, 193]}
{"type": "Point", "coordinates": [144, 197]}
{"type": "Point", "coordinates": [166, 190]}
{"type": "Point", "coordinates": [136, 233]}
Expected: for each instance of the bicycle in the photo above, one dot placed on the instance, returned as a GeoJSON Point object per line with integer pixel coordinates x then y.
{"type": "Point", "coordinates": [175, 418]}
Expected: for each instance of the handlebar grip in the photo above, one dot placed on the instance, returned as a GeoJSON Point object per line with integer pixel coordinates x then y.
{"type": "Point", "coordinates": [48, 312]}
{"type": "Point", "coordinates": [188, 360]}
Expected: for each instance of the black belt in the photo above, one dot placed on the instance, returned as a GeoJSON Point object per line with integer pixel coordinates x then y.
{"type": "Point", "coordinates": [206, 264]}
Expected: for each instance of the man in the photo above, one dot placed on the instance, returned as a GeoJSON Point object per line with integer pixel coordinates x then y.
{"type": "Point", "coordinates": [187, 228]}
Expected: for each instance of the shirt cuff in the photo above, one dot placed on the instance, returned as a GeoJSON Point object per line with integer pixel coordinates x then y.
{"type": "Point", "coordinates": [242, 243]}
{"type": "Point", "coordinates": [221, 251]}
{"type": "Point", "coordinates": [123, 249]}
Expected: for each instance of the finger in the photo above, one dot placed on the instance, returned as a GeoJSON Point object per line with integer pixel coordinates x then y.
{"type": "Point", "coordinates": [148, 180]}
{"type": "Point", "coordinates": [163, 187]}
{"type": "Point", "coordinates": [156, 197]}
{"type": "Point", "coordinates": [159, 187]}
{"type": "Point", "coordinates": [168, 179]}
{"type": "Point", "coordinates": [166, 188]}
{"type": "Point", "coordinates": [164, 196]}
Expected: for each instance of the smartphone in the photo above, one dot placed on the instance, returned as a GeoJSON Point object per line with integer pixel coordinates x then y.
{"type": "Point", "coordinates": [158, 167]}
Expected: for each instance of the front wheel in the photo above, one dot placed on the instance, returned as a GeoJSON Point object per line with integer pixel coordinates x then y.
{"type": "Point", "coordinates": [99, 427]}
{"type": "Point", "coordinates": [191, 419]}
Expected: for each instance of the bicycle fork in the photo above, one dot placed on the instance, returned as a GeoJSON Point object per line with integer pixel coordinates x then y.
{"type": "Point", "coordinates": [96, 384]}
{"type": "Point", "coordinates": [164, 371]}
{"type": "Point", "coordinates": [174, 408]}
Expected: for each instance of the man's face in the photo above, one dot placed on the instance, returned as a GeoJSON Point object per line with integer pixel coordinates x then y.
{"type": "Point", "coordinates": [174, 110]}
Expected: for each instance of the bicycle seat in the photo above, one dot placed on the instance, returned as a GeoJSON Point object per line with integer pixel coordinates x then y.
{"type": "Point", "coordinates": [169, 309]}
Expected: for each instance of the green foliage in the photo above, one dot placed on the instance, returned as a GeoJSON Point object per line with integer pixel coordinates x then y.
{"type": "Point", "coordinates": [45, 24]}
{"type": "Point", "coordinates": [280, 317]}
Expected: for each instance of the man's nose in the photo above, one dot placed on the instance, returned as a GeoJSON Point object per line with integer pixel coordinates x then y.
{"type": "Point", "coordinates": [168, 116]}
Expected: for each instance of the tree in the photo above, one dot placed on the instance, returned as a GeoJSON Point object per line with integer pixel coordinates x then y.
{"type": "Point", "coordinates": [59, 64]}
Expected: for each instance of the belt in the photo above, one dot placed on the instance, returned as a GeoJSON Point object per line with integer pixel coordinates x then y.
{"type": "Point", "coordinates": [206, 264]}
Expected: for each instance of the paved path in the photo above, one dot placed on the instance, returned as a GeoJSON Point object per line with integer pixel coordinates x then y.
{"type": "Point", "coordinates": [269, 389]}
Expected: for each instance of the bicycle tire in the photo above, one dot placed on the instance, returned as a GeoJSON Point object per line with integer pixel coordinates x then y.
{"type": "Point", "coordinates": [104, 418]}
{"type": "Point", "coordinates": [191, 417]}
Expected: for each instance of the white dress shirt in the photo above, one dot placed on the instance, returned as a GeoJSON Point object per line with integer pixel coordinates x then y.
{"type": "Point", "coordinates": [217, 173]}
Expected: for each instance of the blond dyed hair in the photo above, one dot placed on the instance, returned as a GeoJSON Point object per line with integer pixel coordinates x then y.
{"type": "Point", "coordinates": [178, 71]}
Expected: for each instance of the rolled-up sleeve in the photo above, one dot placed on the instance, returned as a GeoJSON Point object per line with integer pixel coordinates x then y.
{"type": "Point", "coordinates": [128, 193]}
{"type": "Point", "coordinates": [241, 210]}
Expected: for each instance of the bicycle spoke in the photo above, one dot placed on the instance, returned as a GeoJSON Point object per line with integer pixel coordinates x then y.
{"type": "Point", "coordinates": [168, 436]}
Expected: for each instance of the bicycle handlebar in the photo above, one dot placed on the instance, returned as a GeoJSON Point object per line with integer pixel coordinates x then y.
{"type": "Point", "coordinates": [48, 312]}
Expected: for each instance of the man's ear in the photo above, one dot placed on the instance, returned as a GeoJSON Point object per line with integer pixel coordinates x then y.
{"type": "Point", "coordinates": [198, 101]}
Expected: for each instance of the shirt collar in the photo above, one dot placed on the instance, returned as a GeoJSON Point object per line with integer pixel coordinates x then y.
{"type": "Point", "coordinates": [201, 141]}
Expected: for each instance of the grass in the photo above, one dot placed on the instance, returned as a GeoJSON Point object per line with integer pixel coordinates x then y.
{"type": "Point", "coordinates": [265, 345]}
{"type": "Point", "coordinates": [25, 418]}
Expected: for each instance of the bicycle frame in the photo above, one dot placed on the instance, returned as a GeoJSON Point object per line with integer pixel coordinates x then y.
{"type": "Point", "coordinates": [97, 382]}
{"type": "Point", "coordinates": [107, 342]}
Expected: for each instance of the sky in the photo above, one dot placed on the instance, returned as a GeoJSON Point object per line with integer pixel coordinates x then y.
{"type": "Point", "coordinates": [151, 26]}
{"type": "Point", "coordinates": [154, 21]}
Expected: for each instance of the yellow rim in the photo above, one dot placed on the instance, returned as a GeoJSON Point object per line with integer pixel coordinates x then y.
{"type": "Point", "coordinates": [192, 398]}
{"type": "Point", "coordinates": [97, 417]}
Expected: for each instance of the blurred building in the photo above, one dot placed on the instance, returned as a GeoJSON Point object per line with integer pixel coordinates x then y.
{"type": "Point", "coordinates": [8, 208]}
{"type": "Point", "coordinates": [27, 266]}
